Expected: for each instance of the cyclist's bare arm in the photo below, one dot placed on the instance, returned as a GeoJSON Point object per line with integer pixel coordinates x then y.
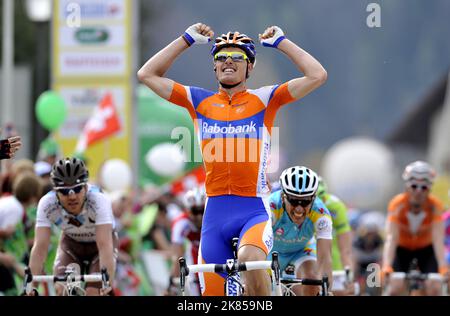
{"type": "Point", "coordinates": [344, 242]}
{"type": "Point", "coordinates": [324, 262]}
{"type": "Point", "coordinates": [40, 249]}
{"type": "Point", "coordinates": [152, 73]}
{"type": "Point", "coordinates": [105, 248]}
{"type": "Point", "coordinates": [7, 232]}
{"type": "Point", "coordinates": [390, 245]}
{"type": "Point", "coordinates": [438, 238]}
{"type": "Point", "coordinates": [314, 74]}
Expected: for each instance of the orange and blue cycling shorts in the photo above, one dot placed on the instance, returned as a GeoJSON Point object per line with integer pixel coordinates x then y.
{"type": "Point", "coordinates": [226, 217]}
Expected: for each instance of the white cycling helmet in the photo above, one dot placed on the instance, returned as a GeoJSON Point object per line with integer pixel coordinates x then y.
{"type": "Point", "coordinates": [194, 198]}
{"type": "Point", "coordinates": [419, 170]}
{"type": "Point", "coordinates": [299, 181]}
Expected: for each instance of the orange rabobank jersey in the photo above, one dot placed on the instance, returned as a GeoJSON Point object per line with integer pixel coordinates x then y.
{"type": "Point", "coordinates": [234, 133]}
{"type": "Point", "coordinates": [415, 231]}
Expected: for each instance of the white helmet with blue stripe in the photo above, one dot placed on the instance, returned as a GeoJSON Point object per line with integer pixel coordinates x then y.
{"type": "Point", "coordinates": [299, 181]}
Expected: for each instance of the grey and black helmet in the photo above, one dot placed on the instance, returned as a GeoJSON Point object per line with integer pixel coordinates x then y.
{"type": "Point", "coordinates": [69, 172]}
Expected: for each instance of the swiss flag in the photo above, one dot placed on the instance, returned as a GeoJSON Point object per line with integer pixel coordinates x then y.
{"type": "Point", "coordinates": [103, 123]}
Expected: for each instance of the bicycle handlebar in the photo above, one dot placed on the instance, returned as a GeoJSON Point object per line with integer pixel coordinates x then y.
{"type": "Point", "coordinates": [416, 276]}
{"type": "Point", "coordinates": [229, 268]}
{"type": "Point", "coordinates": [232, 266]}
{"type": "Point", "coordinates": [302, 281]}
{"type": "Point", "coordinates": [89, 278]}
{"type": "Point", "coordinates": [323, 283]}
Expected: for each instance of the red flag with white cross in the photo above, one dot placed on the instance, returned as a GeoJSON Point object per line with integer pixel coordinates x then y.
{"type": "Point", "coordinates": [104, 123]}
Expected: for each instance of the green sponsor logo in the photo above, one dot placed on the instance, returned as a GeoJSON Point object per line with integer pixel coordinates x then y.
{"type": "Point", "coordinates": [92, 35]}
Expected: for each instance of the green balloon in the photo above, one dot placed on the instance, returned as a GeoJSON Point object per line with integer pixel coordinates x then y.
{"type": "Point", "coordinates": [50, 110]}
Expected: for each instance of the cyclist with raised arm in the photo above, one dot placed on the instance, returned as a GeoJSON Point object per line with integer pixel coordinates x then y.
{"type": "Point", "coordinates": [342, 235]}
{"type": "Point", "coordinates": [84, 215]}
{"type": "Point", "coordinates": [234, 127]}
{"type": "Point", "coordinates": [185, 236]}
{"type": "Point", "coordinates": [415, 230]}
{"type": "Point", "coordinates": [302, 227]}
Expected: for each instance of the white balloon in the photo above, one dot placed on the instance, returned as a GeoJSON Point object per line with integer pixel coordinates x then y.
{"type": "Point", "coordinates": [360, 171]}
{"type": "Point", "coordinates": [115, 175]}
{"type": "Point", "coordinates": [166, 159]}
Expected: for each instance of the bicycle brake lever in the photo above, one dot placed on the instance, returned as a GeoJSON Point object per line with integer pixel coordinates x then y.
{"type": "Point", "coordinates": [184, 271]}
{"type": "Point", "coordinates": [276, 267]}
{"type": "Point", "coordinates": [325, 285]}
{"type": "Point", "coordinates": [105, 278]}
{"type": "Point", "coordinates": [26, 280]}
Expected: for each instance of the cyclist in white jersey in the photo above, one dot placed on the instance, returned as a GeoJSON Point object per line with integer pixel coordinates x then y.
{"type": "Point", "coordinates": [84, 215]}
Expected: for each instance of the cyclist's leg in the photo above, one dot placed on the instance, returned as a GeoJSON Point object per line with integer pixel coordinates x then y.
{"type": "Point", "coordinates": [428, 264]}
{"type": "Point", "coordinates": [92, 256]}
{"type": "Point", "coordinates": [65, 255]}
{"type": "Point", "coordinates": [255, 242]}
{"type": "Point", "coordinates": [257, 282]}
{"type": "Point", "coordinates": [401, 263]}
{"type": "Point", "coordinates": [215, 242]}
{"type": "Point", "coordinates": [225, 218]}
{"type": "Point", "coordinates": [306, 268]}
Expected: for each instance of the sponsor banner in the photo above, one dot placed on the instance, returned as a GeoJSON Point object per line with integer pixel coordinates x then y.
{"type": "Point", "coordinates": [92, 37]}
{"type": "Point", "coordinates": [89, 10]}
{"type": "Point", "coordinates": [99, 63]}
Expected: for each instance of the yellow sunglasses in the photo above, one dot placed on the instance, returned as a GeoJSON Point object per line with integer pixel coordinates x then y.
{"type": "Point", "coordinates": [235, 56]}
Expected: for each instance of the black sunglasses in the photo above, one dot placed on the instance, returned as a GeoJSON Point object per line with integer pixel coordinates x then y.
{"type": "Point", "coordinates": [302, 202]}
{"type": "Point", "coordinates": [422, 187]}
{"type": "Point", "coordinates": [66, 191]}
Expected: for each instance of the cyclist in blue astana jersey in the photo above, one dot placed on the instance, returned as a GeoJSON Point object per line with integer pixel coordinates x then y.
{"type": "Point", "coordinates": [299, 218]}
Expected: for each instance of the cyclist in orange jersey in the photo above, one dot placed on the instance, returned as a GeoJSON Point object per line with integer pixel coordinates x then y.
{"type": "Point", "coordinates": [415, 230]}
{"type": "Point", "coordinates": [234, 127]}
